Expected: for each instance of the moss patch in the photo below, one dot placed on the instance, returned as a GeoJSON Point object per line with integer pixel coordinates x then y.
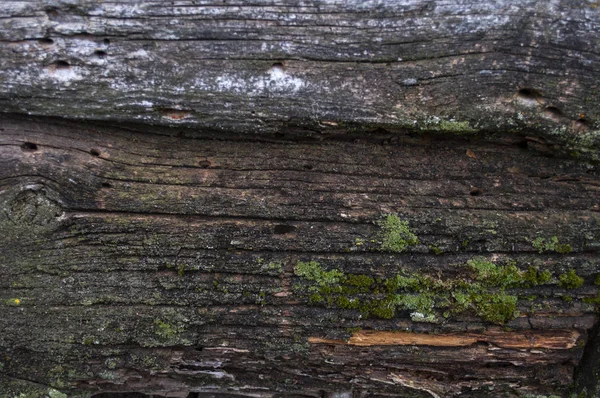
{"type": "Point", "coordinates": [483, 288]}
{"type": "Point", "coordinates": [570, 280]}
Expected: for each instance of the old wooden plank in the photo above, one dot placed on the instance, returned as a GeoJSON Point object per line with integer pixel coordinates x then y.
{"type": "Point", "coordinates": [310, 66]}
{"type": "Point", "coordinates": [129, 265]}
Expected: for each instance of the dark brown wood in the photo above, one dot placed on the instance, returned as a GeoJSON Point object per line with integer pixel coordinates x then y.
{"type": "Point", "coordinates": [138, 259]}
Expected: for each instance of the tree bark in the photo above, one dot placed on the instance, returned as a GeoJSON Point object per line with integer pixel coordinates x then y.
{"type": "Point", "coordinates": [299, 199]}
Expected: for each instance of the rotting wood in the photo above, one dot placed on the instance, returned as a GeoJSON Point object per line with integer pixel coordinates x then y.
{"type": "Point", "coordinates": [555, 339]}
{"type": "Point", "coordinates": [162, 261]}
{"type": "Point", "coordinates": [165, 260]}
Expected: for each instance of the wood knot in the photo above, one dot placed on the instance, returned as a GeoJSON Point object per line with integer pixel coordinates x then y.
{"type": "Point", "coordinates": [32, 206]}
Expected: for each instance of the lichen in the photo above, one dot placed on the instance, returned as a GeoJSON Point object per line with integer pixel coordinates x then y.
{"type": "Point", "coordinates": [275, 266]}
{"type": "Point", "coordinates": [454, 126]}
{"type": "Point", "coordinates": [550, 244]}
{"type": "Point", "coordinates": [12, 301]}
{"type": "Point", "coordinates": [396, 235]}
{"type": "Point", "coordinates": [164, 330]}
{"type": "Point", "coordinates": [435, 123]}
{"type": "Point", "coordinates": [313, 271]}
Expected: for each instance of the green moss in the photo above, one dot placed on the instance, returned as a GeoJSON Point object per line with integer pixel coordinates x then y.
{"type": "Point", "coordinates": [435, 250]}
{"type": "Point", "coordinates": [550, 244]}
{"type": "Point", "coordinates": [563, 248]}
{"type": "Point", "coordinates": [396, 236]}
{"type": "Point", "coordinates": [271, 267]}
{"type": "Point", "coordinates": [496, 308]}
{"type": "Point", "coordinates": [88, 341]}
{"type": "Point", "coordinates": [597, 280]}
{"type": "Point", "coordinates": [494, 275]}
{"type": "Point", "coordinates": [361, 282]}
{"type": "Point", "coordinates": [483, 289]}
{"type": "Point", "coordinates": [540, 396]}
{"type": "Point", "coordinates": [261, 298]}
{"type": "Point", "coordinates": [570, 280]}
{"type": "Point", "coordinates": [533, 277]}
{"type": "Point", "coordinates": [592, 300]}
{"type": "Point", "coordinates": [434, 123]}
{"type": "Point", "coordinates": [416, 302]}
{"type": "Point", "coordinates": [181, 269]}
{"type": "Point", "coordinates": [422, 295]}
{"type": "Point", "coordinates": [568, 299]}
{"type": "Point", "coordinates": [485, 269]}
{"type": "Point", "coordinates": [52, 393]}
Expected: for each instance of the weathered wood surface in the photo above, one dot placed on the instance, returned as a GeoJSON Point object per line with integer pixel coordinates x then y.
{"type": "Point", "coordinates": [468, 66]}
{"type": "Point", "coordinates": [165, 260]}
{"type": "Point", "coordinates": [162, 261]}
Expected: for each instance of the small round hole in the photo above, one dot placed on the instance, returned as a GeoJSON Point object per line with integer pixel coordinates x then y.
{"type": "Point", "coordinates": [277, 65]}
{"type": "Point", "coordinates": [522, 144]}
{"type": "Point", "coordinates": [29, 147]}
{"type": "Point", "coordinates": [46, 41]}
{"type": "Point", "coordinates": [61, 65]}
{"type": "Point", "coordinates": [205, 164]}
{"type": "Point", "coordinates": [553, 111]}
{"type": "Point", "coordinates": [100, 53]}
{"type": "Point", "coordinates": [253, 112]}
{"type": "Point", "coordinates": [475, 192]}
{"type": "Point", "coordinates": [106, 42]}
{"type": "Point", "coordinates": [106, 185]}
{"type": "Point", "coordinates": [282, 229]}
{"type": "Point", "coordinates": [529, 94]}
{"type": "Point", "coordinates": [52, 12]}
{"type": "Point", "coordinates": [94, 152]}
{"type": "Point", "coordinates": [582, 122]}
{"type": "Point", "coordinates": [308, 167]}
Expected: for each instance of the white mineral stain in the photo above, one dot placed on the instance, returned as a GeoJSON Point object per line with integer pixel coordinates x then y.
{"type": "Point", "coordinates": [63, 75]}
{"type": "Point", "coordinates": [276, 80]}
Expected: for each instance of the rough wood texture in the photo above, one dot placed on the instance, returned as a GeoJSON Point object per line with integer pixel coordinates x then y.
{"type": "Point", "coordinates": [326, 198]}
{"type": "Point", "coordinates": [458, 66]}
{"type": "Point", "coordinates": [165, 261]}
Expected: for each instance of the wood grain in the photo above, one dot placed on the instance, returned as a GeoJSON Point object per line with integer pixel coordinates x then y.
{"type": "Point", "coordinates": [137, 259]}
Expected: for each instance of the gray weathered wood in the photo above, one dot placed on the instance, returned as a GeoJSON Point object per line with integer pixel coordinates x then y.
{"type": "Point", "coordinates": [525, 66]}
